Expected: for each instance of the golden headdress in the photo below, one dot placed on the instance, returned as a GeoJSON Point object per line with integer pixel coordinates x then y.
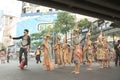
{"type": "Point", "coordinates": [58, 36]}
{"type": "Point", "coordinates": [100, 35]}
{"type": "Point", "coordinates": [76, 27]}
{"type": "Point", "coordinates": [88, 33]}
{"type": "Point", "coordinates": [48, 34]}
{"type": "Point", "coordinates": [105, 38]}
{"type": "Point", "coordinates": [65, 38]}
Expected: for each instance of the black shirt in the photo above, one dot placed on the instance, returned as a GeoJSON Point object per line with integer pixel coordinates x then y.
{"type": "Point", "coordinates": [21, 37]}
{"type": "Point", "coordinates": [116, 48]}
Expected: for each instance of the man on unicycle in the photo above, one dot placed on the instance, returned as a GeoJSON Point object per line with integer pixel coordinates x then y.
{"type": "Point", "coordinates": [25, 46]}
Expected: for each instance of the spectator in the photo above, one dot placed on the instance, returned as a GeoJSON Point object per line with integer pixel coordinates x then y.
{"type": "Point", "coordinates": [2, 55]}
{"type": "Point", "coordinates": [8, 56]}
{"type": "Point", "coordinates": [117, 51]}
{"type": "Point", "coordinates": [38, 54]}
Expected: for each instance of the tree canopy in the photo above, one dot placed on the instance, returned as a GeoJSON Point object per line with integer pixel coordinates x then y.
{"type": "Point", "coordinates": [64, 22]}
{"type": "Point", "coordinates": [84, 23]}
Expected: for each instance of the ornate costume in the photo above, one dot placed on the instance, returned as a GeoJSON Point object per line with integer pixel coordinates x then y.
{"type": "Point", "coordinates": [58, 51]}
{"type": "Point", "coordinates": [88, 55]}
{"type": "Point", "coordinates": [77, 52]}
{"type": "Point", "coordinates": [66, 56]}
{"type": "Point", "coordinates": [106, 49]}
{"type": "Point", "coordinates": [47, 61]}
{"type": "Point", "coordinates": [100, 52]}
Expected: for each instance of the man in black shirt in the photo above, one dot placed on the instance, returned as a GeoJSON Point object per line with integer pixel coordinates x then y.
{"type": "Point", "coordinates": [25, 45]}
{"type": "Point", "coordinates": [117, 50]}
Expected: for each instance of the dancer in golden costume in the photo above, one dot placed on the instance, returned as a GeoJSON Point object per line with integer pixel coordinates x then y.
{"type": "Point", "coordinates": [76, 55]}
{"type": "Point", "coordinates": [106, 53]}
{"type": "Point", "coordinates": [66, 56]}
{"type": "Point", "coordinates": [88, 55]}
{"type": "Point", "coordinates": [58, 52]}
{"type": "Point", "coordinates": [47, 61]}
{"type": "Point", "coordinates": [100, 52]}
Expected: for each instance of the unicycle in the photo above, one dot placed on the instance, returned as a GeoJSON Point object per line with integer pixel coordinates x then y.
{"type": "Point", "coordinates": [22, 64]}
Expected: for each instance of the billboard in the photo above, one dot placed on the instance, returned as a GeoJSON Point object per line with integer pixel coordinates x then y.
{"type": "Point", "coordinates": [35, 22]}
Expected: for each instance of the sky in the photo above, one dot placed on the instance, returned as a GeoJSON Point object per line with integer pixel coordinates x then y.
{"type": "Point", "coordinates": [9, 7]}
{"type": "Point", "coordinates": [13, 8]}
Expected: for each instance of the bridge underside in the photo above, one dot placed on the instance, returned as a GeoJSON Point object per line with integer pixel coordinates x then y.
{"type": "Point", "coordinates": [103, 9]}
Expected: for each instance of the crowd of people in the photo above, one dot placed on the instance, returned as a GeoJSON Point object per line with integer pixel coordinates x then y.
{"type": "Point", "coordinates": [67, 54]}
{"type": "Point", "coordinates": [99, 52]}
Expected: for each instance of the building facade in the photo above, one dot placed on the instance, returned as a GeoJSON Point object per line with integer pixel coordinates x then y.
{"type": "Point", "coordinates": [35, 18]}
{"type": "Point", "coordinates": [9, 25]}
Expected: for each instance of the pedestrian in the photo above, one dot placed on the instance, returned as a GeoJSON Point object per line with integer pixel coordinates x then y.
{"type": "Point", "coordinates": [38, 54]}
{"type": "Point", "coordinates": [2, 56]}
{"type": "Point", "coordinates": [117, 51]}
{"type": "Point", "coordinates": [8, 56]}
{"type": "Point", "coordinates": [25, 46]}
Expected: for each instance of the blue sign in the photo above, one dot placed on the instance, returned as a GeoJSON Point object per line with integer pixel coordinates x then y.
{"type": "Point", "coordinates": [36, 23]}
{"type": "Point", "coordinates": [84, 30]}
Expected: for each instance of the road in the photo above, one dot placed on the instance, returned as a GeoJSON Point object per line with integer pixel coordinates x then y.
{"type": "Point", "coordinates": [11, 71]}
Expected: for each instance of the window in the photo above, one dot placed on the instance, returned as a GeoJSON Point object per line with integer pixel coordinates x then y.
{"type": "Point", "coordinates": [24, 10]}
{"type": "Point", "coordinates": [50, 9]}
{"type": "Point", "coordinates": [38, 11]}
{"type": "Point", "coordinates": [10, 19]}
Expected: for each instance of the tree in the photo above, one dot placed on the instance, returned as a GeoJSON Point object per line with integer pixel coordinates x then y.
{"type": "Point", "coordinates": [64, 22]}
{"type": "Point", "coordinates": [38, 37]}
{"type": "Point", "coordinates": [84, 23]}
{"type": "Point", "coordinates": [35, 39]}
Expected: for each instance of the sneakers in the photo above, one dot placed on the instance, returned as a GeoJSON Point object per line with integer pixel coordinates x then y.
{"type": "Point", "coordinates": [25, 66]}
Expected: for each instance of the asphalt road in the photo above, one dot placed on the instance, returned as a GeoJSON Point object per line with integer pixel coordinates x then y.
{"type": "Point", "coordinates": [11, 71]}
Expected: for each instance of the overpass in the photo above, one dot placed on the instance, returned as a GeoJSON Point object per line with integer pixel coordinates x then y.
{"type": "Point", "coordinates": [103, 9]}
